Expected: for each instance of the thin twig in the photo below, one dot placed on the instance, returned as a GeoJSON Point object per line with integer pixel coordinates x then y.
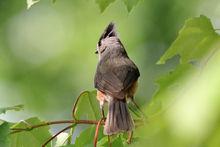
{"type": "Point", "coordinates": [17, 130]}
{"type": "Point", "coordinates": [29, 128]}
{"type": "Point", "coordinates": [97, 131]}
{"type": "Point", "coordinates": [54, 136]}
{"type": "Point", "coordinates": [75, 104]}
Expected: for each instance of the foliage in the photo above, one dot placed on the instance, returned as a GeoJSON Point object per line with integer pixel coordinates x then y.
{"type": "Point", "coordinates": [31, 2]}
{"type": "Point", "coordinates": [103, 4]}
{"type": "Point", "coordinates": [88, 102]}
{"type": "Point", "coordinates": [130, 4]}
{"type": "Point", "coordinates": [35, 137]}
{"type": "Point", "coordinates": [194, 41]}
{"type": "Point", "coordinates": [4, 130]}
{"type": "Point", "coordinates": [178, 107]}
{"type": "Point", "coordinates": [16, 108]}
{"type": "Point", "coordinates": [195, 45]}
{"type": "Point", "coordinates": [184, 110]}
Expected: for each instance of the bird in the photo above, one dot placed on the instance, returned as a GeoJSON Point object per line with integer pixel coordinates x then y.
{"type": "Point", "coordinates": [116, 81]}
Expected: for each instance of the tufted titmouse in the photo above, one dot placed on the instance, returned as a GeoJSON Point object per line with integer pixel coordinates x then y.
{"type": "Point", "coordinates": [116, 81]}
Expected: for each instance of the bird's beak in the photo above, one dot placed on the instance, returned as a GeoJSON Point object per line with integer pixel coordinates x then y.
{"type": "Point", "coordinates": [96, 52]}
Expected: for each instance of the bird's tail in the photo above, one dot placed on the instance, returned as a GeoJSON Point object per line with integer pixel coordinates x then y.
{"type": "Point", "coordinates": [118, 118]}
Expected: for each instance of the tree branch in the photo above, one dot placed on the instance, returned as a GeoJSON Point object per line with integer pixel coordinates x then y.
{"type": "Point", "coordinates": [29, 128]}
{"type": "Point", "coordinates": [17, 130]}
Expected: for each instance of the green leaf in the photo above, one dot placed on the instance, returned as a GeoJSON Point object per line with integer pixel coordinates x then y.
{"type": "Point", "coordinates": [69, 139]}
{"type": "Point", "coordinates": [85, 138]}
{"type": "Point", "coordinates": [88, 106]}
{"type": "Point", "coordinates": [32, 138]}
{"type": "Point", "coordinates": [103, 142]}
{"type": "Point", "coordinates": [103, 4]}
{"type": "Point", "coordinates": [195, 40]}
{"type": "Point", "coordinates": [130, 4]}
{"type": "Point", "coordinates": [30, 3]}
{"type": "Point", "coordinates": [196, 43]}
{"type": "Point", "coordinates": [69, 145]}
{"type": "Point", "coordinates": [188, 95]}
{"type": "Point", "coordinates": [15, 108]}
{"type": "Point", "coordinates": [116, 141]}
{"type": "Point", "coordinates": [62, 139]}
{"type": "Point", "coordinates": [4, 131]}
{"type": "Point", "coordinates": [167, 86]}
{"type": "Point", "coordinates": [1, 122]}
{"type": "Point", "coordinates": [65, 140]}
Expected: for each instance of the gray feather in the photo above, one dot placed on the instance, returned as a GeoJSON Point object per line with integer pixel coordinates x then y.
{"type": "Point", "coordinates": [118, 118]}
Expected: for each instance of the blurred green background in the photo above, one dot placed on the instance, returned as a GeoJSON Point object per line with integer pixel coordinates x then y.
{"type": "Point", "coordinates": [47, 52]}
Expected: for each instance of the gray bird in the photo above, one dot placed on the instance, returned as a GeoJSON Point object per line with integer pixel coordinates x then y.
{"type": "Point", "coordinates": [116, 81]}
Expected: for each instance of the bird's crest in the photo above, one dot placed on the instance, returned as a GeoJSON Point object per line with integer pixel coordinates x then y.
{"type": "Point", "coordinates": [109, 32]}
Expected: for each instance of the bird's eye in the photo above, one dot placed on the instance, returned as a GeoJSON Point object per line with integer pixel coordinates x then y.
{"type": "Point", "coordinates": [96, 52]}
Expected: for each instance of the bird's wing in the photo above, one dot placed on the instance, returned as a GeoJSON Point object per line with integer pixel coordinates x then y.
{"type": "Point", "coordinates": [114, 77]}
